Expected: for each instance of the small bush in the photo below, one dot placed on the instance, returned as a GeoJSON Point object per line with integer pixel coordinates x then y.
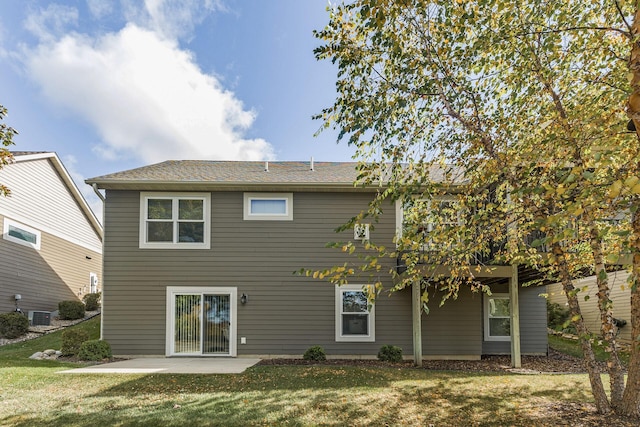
{"type": "Point", "coordinates": [91, 301]}
{"type": "Point", "coordinates": [71, 310]}
{"type": "Point", "coordinates": [13, 325]}
{"type": "Point", "coordinates": [72, 340]}
{"type": "Point", "coordinates": [390, 353]}
{"type": "Point", "coordinates": [95, 350]}
{"type": "Point", "coordinates": [557, 316]}
{"type": "Point", "coordinates": [315, 353]}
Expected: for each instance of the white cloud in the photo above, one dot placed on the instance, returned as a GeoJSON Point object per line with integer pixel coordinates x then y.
{"type": "Point", "coordinates": [52, 21]}
{"type": "Point", "coordinates": [145, 95]}
{"type": "Point", "coordinates": [100, 8]}
{"type": "Point", "coordinates": [174, 19]}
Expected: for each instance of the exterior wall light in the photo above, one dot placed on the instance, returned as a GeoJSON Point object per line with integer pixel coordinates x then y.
{"type": "Point", "coordinates": [244, 298]}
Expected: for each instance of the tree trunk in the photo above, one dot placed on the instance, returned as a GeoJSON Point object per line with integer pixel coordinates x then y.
{"type": "Point", "coordinates": [631, 400]}
{"type": "Point", "coordinates": [609, 330]}
{"type": "Point", "coordinates": [599, 395]}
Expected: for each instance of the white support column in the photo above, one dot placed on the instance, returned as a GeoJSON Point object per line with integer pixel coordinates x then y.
{"type": "Point", "coordinates": [416, 309]}
{"type": "Point", "coordinates": [516, 360]}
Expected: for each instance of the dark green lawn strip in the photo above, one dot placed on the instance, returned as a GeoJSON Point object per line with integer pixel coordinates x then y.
{"type": "Point", "coordinates": [18, 354]}
{"type": "Point", "coordinates": [572, 347]}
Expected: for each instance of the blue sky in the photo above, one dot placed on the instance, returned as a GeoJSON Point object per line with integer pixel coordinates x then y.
{"type": "Point", "coordinates": [115, 84]}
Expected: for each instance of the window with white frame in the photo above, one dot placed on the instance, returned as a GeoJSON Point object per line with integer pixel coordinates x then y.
{"type": "Point", "coordinates": [268, 206]}
{"type": "Point", "coordinates": [422, 216]}
{"type": "Point", "coordinates": [175, 220]}
{"type": "Point", "coordinates": [497, 317]}
{"type": "Point", "coordinates": [21, 234]}
{"type": "Point", "coordinates": [355, 318]}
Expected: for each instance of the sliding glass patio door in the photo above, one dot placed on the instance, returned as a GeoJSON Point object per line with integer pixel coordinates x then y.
{"type": "Point", "coordinates": [201, 321]}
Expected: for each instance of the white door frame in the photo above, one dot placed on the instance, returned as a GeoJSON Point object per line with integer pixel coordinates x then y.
{"type": "Point", "coordinates": [172, 291]}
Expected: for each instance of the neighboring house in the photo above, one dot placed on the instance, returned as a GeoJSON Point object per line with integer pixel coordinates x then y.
{"type": "Point", "coordinates": [51, 246]}
{"type": "Point", "coordinates": [620, 296]}
{"type": "Point", "coordinates": [199, 259]}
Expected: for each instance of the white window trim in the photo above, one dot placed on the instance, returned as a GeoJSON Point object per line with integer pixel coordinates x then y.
{"type": "Point", "coordinates": [487, 330]}
{"type": "Point", "coordinates": [206, 197]}
{"type": "Point", "coordinates": [400, 214]}
{"type": "Point", "coordinates": [371, 318]}
{"type": "Point", "coordinates": [287, 197]}
{"type": "Point", "coordinates": [201, 290]}
{"type": "Point", "coordinates": [5, 234]}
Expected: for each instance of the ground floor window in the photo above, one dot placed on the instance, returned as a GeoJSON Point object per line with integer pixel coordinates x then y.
{"type": "Point", "coordinates": [497, 317]}
{"type": "Point", "coordinates": [201, 321]}
{"type": "Point", "coordinates": [355, 318]}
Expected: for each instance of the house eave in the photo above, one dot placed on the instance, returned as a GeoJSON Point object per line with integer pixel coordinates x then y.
{"type": "Point", "coordinates": [144, 185]}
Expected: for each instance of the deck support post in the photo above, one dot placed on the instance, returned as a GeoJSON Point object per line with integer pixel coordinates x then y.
{"type": "Point", "coordinates": [516, 360]}
{"type": "Point", "coordinates": [416, 309]}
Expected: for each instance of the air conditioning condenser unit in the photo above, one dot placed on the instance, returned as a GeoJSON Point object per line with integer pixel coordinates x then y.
{"type": "Point", "coordinates": [40, 318]}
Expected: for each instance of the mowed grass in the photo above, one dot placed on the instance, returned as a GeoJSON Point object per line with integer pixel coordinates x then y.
{"type": "Point", "coordinates": [283, 395]}
{"type": "Point", "coordinates": [34, 393]}
{"type": "Point", "coordinates": [573, 348]}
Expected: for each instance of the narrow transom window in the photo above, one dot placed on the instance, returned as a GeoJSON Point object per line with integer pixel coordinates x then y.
{"type": "Point", "coordinates": [174, 220]}
{"type": "Point", "coordinates": [21, 234]}
{"type": "Point", "coordinates": [497, 317]}
{"type": "Point", "coordinates": [268, 206]}
{"type": "Point", "coordinates": [354, 316]}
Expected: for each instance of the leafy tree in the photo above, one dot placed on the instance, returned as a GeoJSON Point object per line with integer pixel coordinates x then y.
{"type": "Point", "coordinates": [6, 140]}
{"type": "Point", "coordinates": [520, 112]}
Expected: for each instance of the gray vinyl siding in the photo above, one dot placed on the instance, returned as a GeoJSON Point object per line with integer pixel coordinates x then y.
{"type": "Point", "coordinates": [41, 199]}
{"type": "Point", "coordinates": [533, 323]}
{"type": "Point", "coordinates": [286, 313]}
{"type": "Point", "coordinates": [58, 271]}
{"type": "Point", "coordinates": [452, 329]}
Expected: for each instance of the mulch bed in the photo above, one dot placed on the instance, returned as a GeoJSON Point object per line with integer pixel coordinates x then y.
{"type": "Point", "coordinates": [554, 363]}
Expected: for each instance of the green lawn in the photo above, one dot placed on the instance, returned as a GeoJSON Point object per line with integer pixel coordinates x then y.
{"type": "Point", "coordinates": [573, 348]}
{"type": "Point", "coordinates": [33, 393]}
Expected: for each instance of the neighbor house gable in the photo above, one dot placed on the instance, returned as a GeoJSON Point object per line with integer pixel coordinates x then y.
{"type": "Point", "coordinates": [44, 196]}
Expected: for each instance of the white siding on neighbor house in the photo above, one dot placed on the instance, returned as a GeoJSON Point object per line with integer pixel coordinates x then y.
{"type": "Point", "coordinates": [620, 295]}
{"type": "Point", "coordinates": [40, 199]}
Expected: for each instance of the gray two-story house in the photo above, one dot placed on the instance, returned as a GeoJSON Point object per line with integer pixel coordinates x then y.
{"type": "Point", "coordinates": [199, 259]}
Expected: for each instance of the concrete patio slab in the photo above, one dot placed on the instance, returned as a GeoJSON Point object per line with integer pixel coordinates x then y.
{"type": "Point", "coordinates": [175, 365]}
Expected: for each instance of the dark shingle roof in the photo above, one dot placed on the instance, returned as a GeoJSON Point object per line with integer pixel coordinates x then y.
{"type": "Point", "coordinates": [176, 174]}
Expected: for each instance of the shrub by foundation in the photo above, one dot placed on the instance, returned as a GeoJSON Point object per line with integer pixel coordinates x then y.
{"type": "Point", "coordinates": [95, 350]}
{"type": "Point", "coordinates": [390, 353]}
{"type": "Point", "coordinates": [91, 301]}
{"type": "Point", "coordinates": [72, 340]}
{"type": "Point", "coordinates": [13, 325]}
{"type": "Point", "coordinates": [315, 353]}
{"type": "Point", "coordinates": [71, 310]}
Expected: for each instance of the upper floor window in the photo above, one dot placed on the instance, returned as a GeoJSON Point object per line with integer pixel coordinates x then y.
{"type": "Point", "coordinates": [354, 316]}
{"type": "Point", "coordinates": [423, 216]}
{"type": "Point", "coordinates": [497, 317]}
{"type": "Point", "coordinates": [21, 234]}
{"type": "Point", "coordinates": [175, 220]}
{"type": "Point", "coordinates": [268, 206]}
